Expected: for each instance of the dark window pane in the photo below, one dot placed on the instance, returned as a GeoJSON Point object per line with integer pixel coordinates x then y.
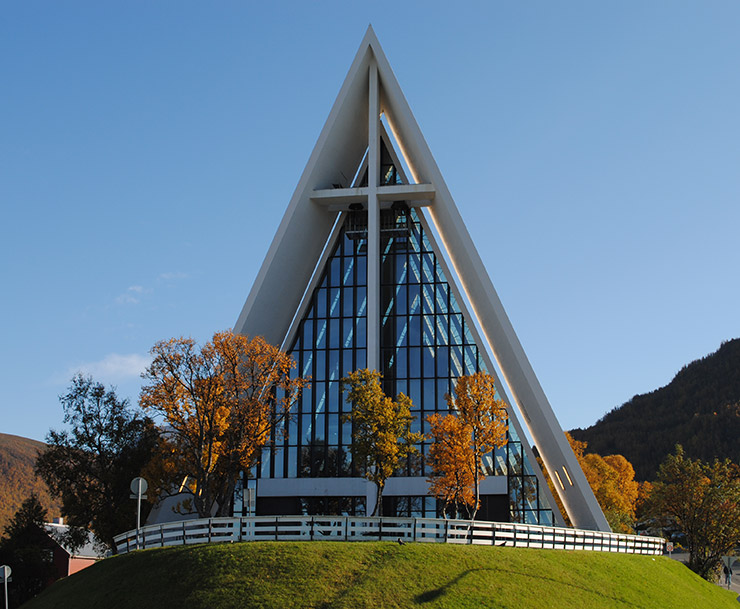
{"type": "Point", "coordinates": [321, 327]}
{"type": "Point", "coordinates": [319, 428]}
{"type": "Point", "coordinates": [292, 462]}
{"type": "Point", "coordinates": [333, 364]}
{"type": "Point", "coordinates": [441, 327]}
{"type": "Point", "coordinates": [348, 271]}
{"type": "Point", "coordinates": [429, 403]}
{"type": "Point", "coordinates": [332, 402]}
{"type": "Point", "coordinates": [334, 334]}
{"type": "Point", "coordinates": [320, 390]}
{"type": "Point", "coordinates": [334, 302]}
{"type": "Point", "coordinates": [348, 327]}
{"type": "Point", "coordinates": [415, 392]}
{"type": "Point", "coordinates": [443, 361]}
{"type": "Point", "coordinates": [308, 333]}
{"type": "Point", "coordinates": [348, 302]}
{"type": "Point", "coordinates": [401, 363]}
{"type": "Point", "coordinates": [307, 399]}
{"type": "Point", "coordinates": [401, 268]}
{"type": "Point", "coordinates": [320, 304]}
{"type": "Point", "coordinates": [471, 359]}
{"type": "Point", "coordinates": [320, 368]}
{"type": "Point", "coordinates": [427, 326]}
{"type": "Point", "coordinates": [360, 330]}
{"type": "Point", "coordinates": [307, 364]}
{"type": "Point", "coordinates": [266, 460]}
{"type": "Point", "coordinates": [361, 302]}
{"type": "Point", "coordinates": [414, 330]}
{"type": "Point", "coordinates": [306, 428]}
{"type": "Point", "coordinates": [414, 270]}
{"type": "Point", "coordinates": [427, 298]}
{"type": "Point", "coordinates": [414, 362]}
{"type": "Point", "coordinates": [361, 278]}
{"type": "Point", "coordinates": [441, 301]}
{"type": "Point", "coordinates": [347, 365]}
{"type": "Point", "coordinates": [333, 435]}
{"type": "Point", "coordinates": [456, 361]}
{"type": "Point", "coordinates": [428, 265]}
{"type": "Point", "coordinates": [414, 299]}
{"type": "Point", "coordinates": [336, 275]}
{"type": "Point", "coordinates": [279, 463]}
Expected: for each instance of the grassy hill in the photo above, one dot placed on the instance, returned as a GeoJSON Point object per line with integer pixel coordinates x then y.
{"type": "Point", "coordinates": [699, 409]}
{"type": "Point", "coordinates": [17, 480]}
{"type": "Point", "coordinates": [331, 575]}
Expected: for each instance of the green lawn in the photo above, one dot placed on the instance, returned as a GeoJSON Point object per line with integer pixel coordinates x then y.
{"type": "Point", "coordinates": [380, 574]}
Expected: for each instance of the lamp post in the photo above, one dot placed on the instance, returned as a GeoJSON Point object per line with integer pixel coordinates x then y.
{"type": "Point", "coordinates": [138, 488]}
{"type": "Point", "coordinates": [5, 570]}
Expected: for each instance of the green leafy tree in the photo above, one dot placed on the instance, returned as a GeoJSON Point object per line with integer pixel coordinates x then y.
{"type": "Point", "coordinates": [381, 429]}
{"type": "Point", "coordinates": [702, 501]}
{"type": "Point", "coordinates": [26, 549]}
{"type": "Point", "coordinates": [91, 465]}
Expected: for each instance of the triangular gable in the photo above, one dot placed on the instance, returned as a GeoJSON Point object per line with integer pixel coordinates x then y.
{"type": "Point", "coordinates": [307, 224]}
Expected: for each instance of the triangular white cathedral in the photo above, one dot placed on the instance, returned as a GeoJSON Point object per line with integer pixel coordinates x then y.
{"type": "Point", "coordinates": [355, 278]}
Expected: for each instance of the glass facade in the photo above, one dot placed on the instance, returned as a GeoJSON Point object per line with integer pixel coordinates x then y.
{"type": "Point", "coordinates": [331, 343]}
{"type": "Point", "coordinates": [425, 345]}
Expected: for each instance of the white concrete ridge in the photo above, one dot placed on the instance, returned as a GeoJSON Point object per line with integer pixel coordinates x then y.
{"type": "Point", "coordinates": [325, 191]}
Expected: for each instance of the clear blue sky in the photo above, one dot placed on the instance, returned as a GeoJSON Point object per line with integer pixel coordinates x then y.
{"type": "Point", "coordinates": [148, 151]}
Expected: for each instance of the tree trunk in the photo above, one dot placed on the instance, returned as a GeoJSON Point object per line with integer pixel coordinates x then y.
{"type": "Point", "coordinates": [378, 500]}
{"type": "Point", "coordinates": [476, 476]}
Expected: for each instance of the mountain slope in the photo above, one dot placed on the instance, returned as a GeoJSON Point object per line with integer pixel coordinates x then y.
{"type": "Point", "coordinates": [699, 409]}
{"type": "Point", "coordinates": [380, 574]}
{"type": "Point", "coordinates": [17, 480]}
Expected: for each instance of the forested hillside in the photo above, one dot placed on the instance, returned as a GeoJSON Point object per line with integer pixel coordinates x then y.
{"type": "Point", "coordinates": [699, 409]}
{"type": "Point", "coordinates": [17, 480]}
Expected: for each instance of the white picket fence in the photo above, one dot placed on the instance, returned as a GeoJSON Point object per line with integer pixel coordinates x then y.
{"type": "Point", "coordinates": [355, 528]}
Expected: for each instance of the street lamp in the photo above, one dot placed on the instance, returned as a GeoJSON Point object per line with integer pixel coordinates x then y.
{"type": "Point", "coordinates": [138, 488]}
{"type": "Point", "coordinates": [5, 572]}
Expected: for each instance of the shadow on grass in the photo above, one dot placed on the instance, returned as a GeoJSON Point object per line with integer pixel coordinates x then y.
{"type": "Point", "coordinates": [434, 594]}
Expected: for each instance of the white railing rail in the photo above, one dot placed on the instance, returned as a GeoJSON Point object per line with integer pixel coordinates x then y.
{"type": "Point", "coordinates": [356, 528]}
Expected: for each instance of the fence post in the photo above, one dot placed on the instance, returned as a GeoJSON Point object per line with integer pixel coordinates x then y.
{"type": "Point", "coordinates": [210, 526]}
{"type": "Point", "coordinates": [413, 535]}
{"type": "Point", "coordinates": [312, 524]}
{"type": "Point", "coordinates": [183, 533]}
{"type": "Point", "coordinates": [161, 536]}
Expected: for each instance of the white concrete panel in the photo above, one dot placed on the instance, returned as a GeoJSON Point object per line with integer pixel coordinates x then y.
{"type": "Point", "coordinates": [313, 487]}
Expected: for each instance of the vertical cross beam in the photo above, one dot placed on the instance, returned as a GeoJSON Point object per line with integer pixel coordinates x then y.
{"type": "Point", "coordinates": [373, 222]}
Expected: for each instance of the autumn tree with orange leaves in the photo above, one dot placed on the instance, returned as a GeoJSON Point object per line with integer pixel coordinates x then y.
{"type": "Point", "coordinates": [381, 429]}
{"type": "Point", "coordinates": [220, 404]}
{"type": "Point", "coordinates": [450, 459]}
{"type": "Point", "coordinates": [480, 428]}
{"type": "Point", "coordinates": [612, 479]}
